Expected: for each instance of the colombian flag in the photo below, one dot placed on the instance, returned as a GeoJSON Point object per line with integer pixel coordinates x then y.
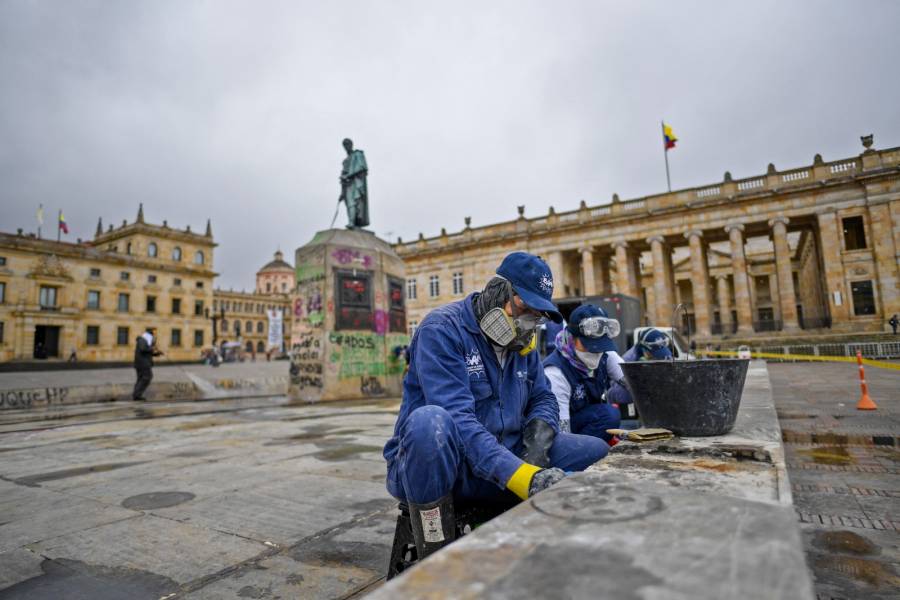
{"type": "Point", "coordinates": [62, 223]}
{"type": "Point", "coordinates": [669, 138]}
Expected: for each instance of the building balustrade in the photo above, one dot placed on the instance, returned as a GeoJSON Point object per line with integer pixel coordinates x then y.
{"type": "Point", "coordinates": [767, 325]}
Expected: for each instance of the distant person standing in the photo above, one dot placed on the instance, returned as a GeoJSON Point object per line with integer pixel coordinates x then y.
{"type": "Point", "coordinates": [894, 322]}
{"type": "Point", "coordinates": [144, 351]}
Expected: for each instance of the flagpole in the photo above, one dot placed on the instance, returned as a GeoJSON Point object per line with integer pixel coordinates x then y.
{"type": "Point", "coordinates": [662, 125]}
{"type": "Point", "coordinates": [40, 219]}
{"type": "Point", "coordinates": [58, 228]}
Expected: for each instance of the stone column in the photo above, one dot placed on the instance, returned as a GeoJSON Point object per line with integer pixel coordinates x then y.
{"type": "Point", "coordinates": [724, 303]}
{"type": "Point", "coordinates": [662, 287]}
{"type": "Point", "coordinates": [741, 285]}
{"type": "Point", "coordinates": [700, 283]}
{"type": "Point", "coordinates": [786, 297]}
{"type": "Point", "coordinates": [626, 278]}
{"type": "Point", "coordinates": [588, 274]}
{"type": "Point", "coordinates": [773, 294]}
{"type": "Point", "coordinates": [555, 262]}
{"type": "Point", "coordinates": [829, 235]}
{"type": "Point", "coordinates": [885, 253]}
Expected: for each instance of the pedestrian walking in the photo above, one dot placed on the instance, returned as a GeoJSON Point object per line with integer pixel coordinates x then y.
{"type": "Point", "coordinates": [144, 351]}
{"type": "Point", "coordinates": [894, 322]}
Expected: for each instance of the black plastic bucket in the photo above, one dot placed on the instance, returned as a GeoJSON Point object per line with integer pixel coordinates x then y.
{"type": "Point", "coordinates": [688, 397]}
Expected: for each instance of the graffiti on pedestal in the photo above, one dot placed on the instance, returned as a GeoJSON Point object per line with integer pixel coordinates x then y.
{"type": "Point", "coordinates": [306, 361]}
{"type": "Point", "coordinates": [351, 257]}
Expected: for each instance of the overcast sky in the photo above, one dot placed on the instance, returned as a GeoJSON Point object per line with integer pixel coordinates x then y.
{"type": "Point", "coordinates": [236, 110]}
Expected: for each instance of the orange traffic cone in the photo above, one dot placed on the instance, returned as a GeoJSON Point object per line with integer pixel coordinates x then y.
{"type": "Point", "coordinates": [865, 402]}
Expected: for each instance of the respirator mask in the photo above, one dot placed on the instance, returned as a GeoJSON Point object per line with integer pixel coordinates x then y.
{"type": "Point", "coordinates": [589, 359]}
{"type": "Point", "coordinates": [517, 332]}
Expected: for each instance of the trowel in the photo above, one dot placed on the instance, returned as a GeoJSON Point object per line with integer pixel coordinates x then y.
{"type": "Point", "coordinates": [645, 434]}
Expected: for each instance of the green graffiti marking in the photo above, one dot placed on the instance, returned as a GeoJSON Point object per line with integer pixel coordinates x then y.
{"type": "Point", "coordinates": [310, 273]}
{"type": "Point", "coordinates": [362, 355]}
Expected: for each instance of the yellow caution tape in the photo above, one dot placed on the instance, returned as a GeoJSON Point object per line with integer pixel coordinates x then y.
{"type": "Point", "coordinates": [881, 364]}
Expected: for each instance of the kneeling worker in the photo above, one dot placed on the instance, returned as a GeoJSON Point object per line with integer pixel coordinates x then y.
{"type": "Point", "coordinates": [478, 420]}
{"type": "Point", "coordinates": [585, 375]}
{"type": "Point", "coordinates": [652, 344]}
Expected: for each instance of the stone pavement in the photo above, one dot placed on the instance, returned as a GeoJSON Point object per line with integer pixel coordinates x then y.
{"type": "Point", "coordinates": [222, 499]}
{"type": "Point", "coordinates": [843, 468]}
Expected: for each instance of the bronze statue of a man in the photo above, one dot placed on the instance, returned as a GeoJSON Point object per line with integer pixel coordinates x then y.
{"type": "Point", "coordinates": [354, 191]}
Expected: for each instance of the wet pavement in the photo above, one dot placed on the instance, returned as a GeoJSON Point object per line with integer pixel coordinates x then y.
{"type": "Point", "coordinates": [843, 468]}
{"type": "Point", "coordinates": [252, 498]}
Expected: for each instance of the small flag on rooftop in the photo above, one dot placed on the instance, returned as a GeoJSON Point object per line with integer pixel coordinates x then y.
{"type": "Point", "coordinates": [62, 225]}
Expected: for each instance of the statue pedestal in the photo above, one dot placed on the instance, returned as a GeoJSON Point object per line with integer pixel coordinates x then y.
{"type": "Point", "coordinates": [349, 313]}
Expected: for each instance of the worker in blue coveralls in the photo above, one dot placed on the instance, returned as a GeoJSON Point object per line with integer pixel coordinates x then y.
{"type": "Point", "coordinates": [585, 375]}
{"type": "Point", "coordinates": [478, 420]}
{"type": "Point", "coordinates": [652, 344]}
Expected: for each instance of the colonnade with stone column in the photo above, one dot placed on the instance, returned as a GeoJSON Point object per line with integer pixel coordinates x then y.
{"type": "Point", "coordinates": [708, 293]}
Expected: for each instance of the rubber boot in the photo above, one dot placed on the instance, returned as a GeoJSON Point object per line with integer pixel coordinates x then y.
{"type": "Point", "coordinates": [433, 525]}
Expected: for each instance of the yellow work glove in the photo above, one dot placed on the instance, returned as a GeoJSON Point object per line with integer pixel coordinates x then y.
{"type": "Point", "coordinates": [520, 481]}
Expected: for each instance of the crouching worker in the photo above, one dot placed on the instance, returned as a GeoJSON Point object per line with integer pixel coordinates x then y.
{"type": "Point", "coordinates": [478, 421]}
{"type": "Point", "coordinates": [585, 375]}
{"type": "Point", "coordinates": [652, 344]}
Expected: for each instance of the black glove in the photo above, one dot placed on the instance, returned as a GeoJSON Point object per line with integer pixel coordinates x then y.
{"type": "Point", "coordinates": [544, 479]}
{"type": "Point", "coordinates": [536, 441]}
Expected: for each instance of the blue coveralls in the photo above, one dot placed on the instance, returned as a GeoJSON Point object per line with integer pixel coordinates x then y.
{"type": "Point", "coordinates": [461, 419]}
{"type": "Point", "coordinates": [588, 413]}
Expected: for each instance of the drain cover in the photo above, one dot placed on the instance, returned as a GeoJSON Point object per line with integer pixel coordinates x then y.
{"type": "Point", "coordinates": [156, 500]}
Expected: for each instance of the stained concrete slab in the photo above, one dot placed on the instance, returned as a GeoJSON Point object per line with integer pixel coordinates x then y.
{"type": "Point", "coordinates": [257, 480]}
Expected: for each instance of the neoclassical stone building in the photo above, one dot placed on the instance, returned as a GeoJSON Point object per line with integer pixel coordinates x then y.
{"type": "Point", "coordinates": [813, 248]}
{"type": "Point", "coordinates": [96, 296]}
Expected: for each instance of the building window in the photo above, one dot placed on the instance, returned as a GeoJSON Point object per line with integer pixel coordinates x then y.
{"type": "Point", "coordinates": [434, 286]}
{"type": "Point", "coordinates": [248, 327]}
{"type": "Point", "coordinates": [224, 326]}
{"type": "Point", "coordinates": [863, 298]}
{"type": "Point", "coordinates": [198, 257]}
{"type": "Point", "coordinates": [92, 335]}
{"type": "Point", "coordinates": [1, 331]}
{"type": "Point", "coordinates": [854, 233]}
{"type": "Point", "coordinates": [237, 328]}
{"type": "Point", "coordinates": [283, 286]}
{"type": "Point", "coordinates": [2, 261]}
{"type": "Point", "coordinates": [176, 282]}
{"type": "Point", "coordinates": [259, 327]}
{"type": "Point", "coordinates": [411, 289]}
{"type": "Point", "coordinates": [457, 284]}
{"type": "Point", "coordinates": [152, 250]}
{"type": "Point", "coordinates": [2, 292]}
{"type": "Point", "coordinates": [123, 303]}
{"type": "Point", "coordinates": [176, 254]}
{"type": "Point", "coordinates": [176, 338]}
{"type": "Point", "coordinates": [128, 248]}
{"type": "Point", "coordinates": [124, 276]}
{"type": "Point", "coordinates": [412, 327]}
{"type": "Point", "coordinates": [198, 308]}
{"type": "Point", "coordinates": [93, 300]}
{"type": "Point", "coordinates": [198, 338]}
{"type": "Point", "coordinates": [260, 347]}
{"type": "Point", "coordinates": [48, 298]}
{"type": "Point", "coordinates": [199, 285]}
{"type": "Point", "coordinates": [95, 273]}
{"type": "Point", "coordinates": [176, 306]}
{"type": "Point", "coordinates": [268, 286]}
{"type": "Point", "coordinates": [151, 278]}
{"type": "Point", "coordinates": [151, 304]}
{"type": "Point", "coordinates": [122, 336]}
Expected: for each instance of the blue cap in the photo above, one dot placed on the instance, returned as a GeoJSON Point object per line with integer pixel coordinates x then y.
{"type": "Point", "coordinates": [652, 335]}
{"type": "Point", "coordinates": [532, 281]}
{"type": "Point", "coordinates": [591, 344]}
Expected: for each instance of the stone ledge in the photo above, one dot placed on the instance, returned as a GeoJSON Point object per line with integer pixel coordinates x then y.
{"type": "Point", "coordinates": [685, 518]}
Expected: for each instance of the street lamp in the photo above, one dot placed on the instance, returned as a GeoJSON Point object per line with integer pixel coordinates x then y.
{"type": "Point", "coordinates": [215, 319]}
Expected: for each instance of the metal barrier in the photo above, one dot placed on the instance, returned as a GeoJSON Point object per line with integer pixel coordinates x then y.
{"type": "Point", "coordinates": [869, 350]}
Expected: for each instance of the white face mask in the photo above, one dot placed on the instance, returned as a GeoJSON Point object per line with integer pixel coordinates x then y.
{"type": "Point", "coordinates": [590, 359]}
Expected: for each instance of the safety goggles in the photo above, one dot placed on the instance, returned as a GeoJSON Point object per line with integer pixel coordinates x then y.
{"type": "Point", "coordinates": [656, 344]}
{"type": "Point", "coordinates": [527, 318]}
{"type": "Point", "coordinates": [599, 327]}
